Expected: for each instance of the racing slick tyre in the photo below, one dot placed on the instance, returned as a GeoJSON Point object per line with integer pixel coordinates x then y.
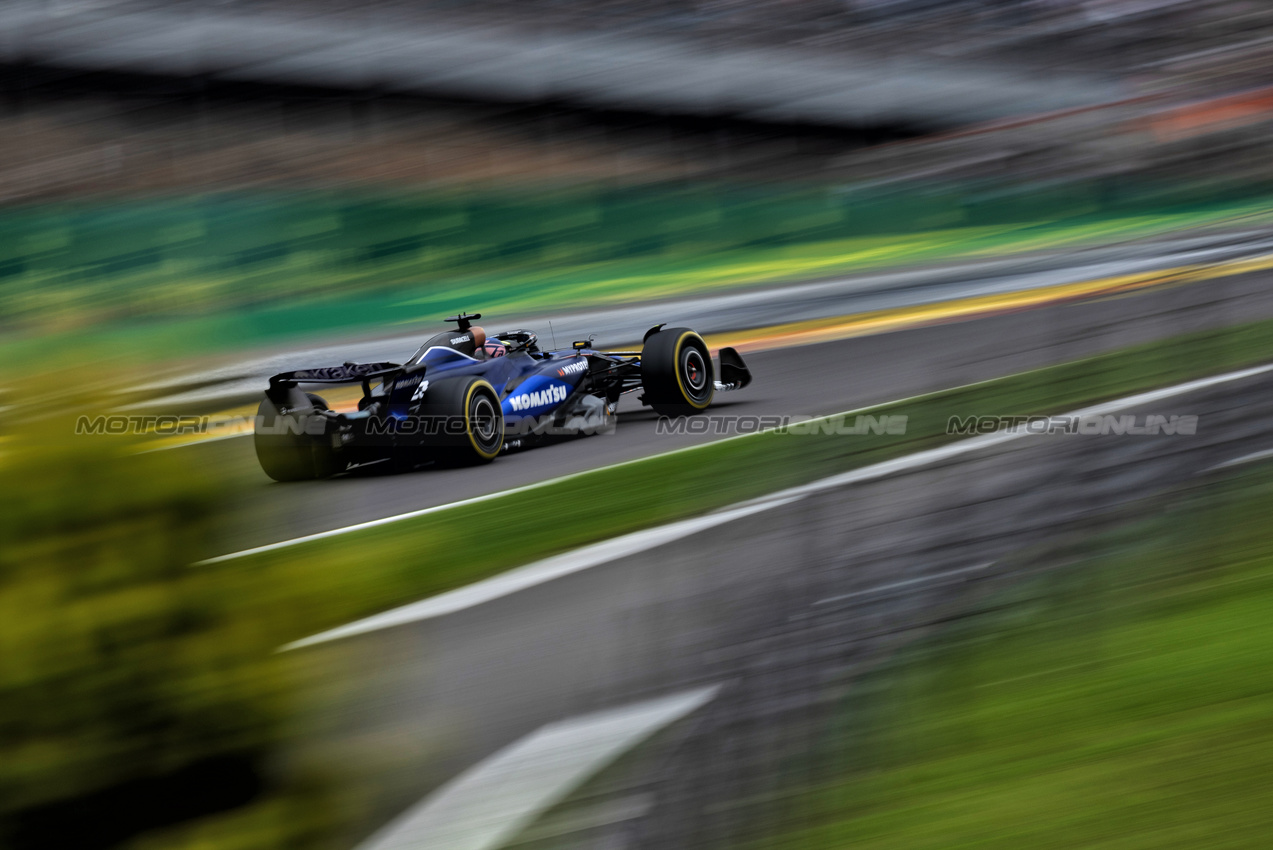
{"type": "Point", "coordinates": [676, 372]}
{"type": "Point", "coordinates": [472, 422]}
{"type": "Point", "coordinates": [285, 446]}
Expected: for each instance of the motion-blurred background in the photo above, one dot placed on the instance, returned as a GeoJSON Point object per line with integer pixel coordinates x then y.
{"type": "Point", "coordinates": [188, 187]}
{"type": "Point", "coordinates": [248, 171]}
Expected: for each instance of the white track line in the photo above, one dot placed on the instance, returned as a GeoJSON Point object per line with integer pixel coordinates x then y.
{"type": "Point", "coordinates": [930, 456]}
{"type": "Point", "coordinates": [881, 588]}
{"type": "Point", "coordinates": [487, 805]}
{"type": "Point", "coordinates": [1238, 461]}
{"type": "Point", "coordinates": [599, 553]}
{"type": "Point", "coordinates": [548, 482]}
{"type": "Point", "coordinates": [535, 573]}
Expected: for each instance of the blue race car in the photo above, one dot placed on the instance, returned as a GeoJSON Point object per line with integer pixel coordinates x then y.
{"type": "Point", "coordinates": [464, 397]}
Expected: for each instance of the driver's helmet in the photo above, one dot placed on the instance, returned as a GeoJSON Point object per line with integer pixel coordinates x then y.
{"type": "Point", "coordinates": [483, 346]}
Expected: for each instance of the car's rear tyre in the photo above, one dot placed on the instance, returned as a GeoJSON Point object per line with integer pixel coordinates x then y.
{"type": "Point", "coordinates": [676, 372]}
{"type": "Point", "coordinates": [285, 448]}
{"type": "Point", "coordinates": [472, 422]}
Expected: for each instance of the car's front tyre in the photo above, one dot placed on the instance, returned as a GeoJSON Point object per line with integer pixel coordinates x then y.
{"type": "Point", "coordinates": [676, 372]}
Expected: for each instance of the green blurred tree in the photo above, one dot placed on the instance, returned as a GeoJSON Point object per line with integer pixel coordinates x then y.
{"type": "Point", "coordinates": [141, 702]}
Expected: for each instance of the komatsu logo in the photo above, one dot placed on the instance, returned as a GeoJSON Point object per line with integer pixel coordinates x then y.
{"type": "Point", "coordinates": [539, 398]}
{"type": "Point", "coordinates": [577, 366]}
{"type": "Point", "coordinates": [456, 340]}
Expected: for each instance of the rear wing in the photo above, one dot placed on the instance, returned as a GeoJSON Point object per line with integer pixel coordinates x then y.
{"type": "Point", "coordinates": [350, 373]}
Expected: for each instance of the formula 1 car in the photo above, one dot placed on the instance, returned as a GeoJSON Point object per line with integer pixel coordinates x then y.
{"type": "Point", "coordinates": [464, 398]}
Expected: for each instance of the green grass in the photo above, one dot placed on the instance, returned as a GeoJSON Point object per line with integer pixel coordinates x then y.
{"type": "Point", "coordinates": [212, 273]}
{"type": "Point", "coordinates": [126, 662]}
{"type": "Point", "coordinates": [125, 674]}
{"type": "Point", "coordinates": [1124, 702]}
{"type": "Point", "coordinates": [361, 573]}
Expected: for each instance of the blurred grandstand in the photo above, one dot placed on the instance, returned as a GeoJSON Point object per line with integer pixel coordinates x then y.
{"type": "Point", "coordinates": [109, 96]}
{"type": "Point", "coordinates": [1000, 197]}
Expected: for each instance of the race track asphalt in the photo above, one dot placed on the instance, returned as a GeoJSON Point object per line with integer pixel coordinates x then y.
{"type": "Point", "coordinates": [810, 380]}
{"type": "Point", "coordinates": [781, 613]}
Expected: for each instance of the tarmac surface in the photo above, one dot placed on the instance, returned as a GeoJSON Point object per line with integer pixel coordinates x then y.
{"type": "Point", "coordinates": [622, 326]}
{"type": "Point", "coordinates": [780, 613]}
{"type": "Point", "coordinates": [809, 380]}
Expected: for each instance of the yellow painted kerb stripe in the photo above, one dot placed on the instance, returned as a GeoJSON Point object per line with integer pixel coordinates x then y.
{"type": "Point", "coordinates": [883, 321]}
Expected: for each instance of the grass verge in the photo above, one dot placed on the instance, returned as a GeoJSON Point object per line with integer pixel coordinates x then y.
{"type": "Point", "coordinates": [201, 275]}
{"type": "Point", "coordinates": [360, 573]}
{"type": "Point", "coordinates": [1123, 702]}
{"type": "Point", "coordinates": [142, 706]}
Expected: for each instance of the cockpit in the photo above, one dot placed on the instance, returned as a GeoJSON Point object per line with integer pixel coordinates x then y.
{"type": "Point", "coordinates": [469, 343]}
{"type": "Point", "coordinates": [440, 355]}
